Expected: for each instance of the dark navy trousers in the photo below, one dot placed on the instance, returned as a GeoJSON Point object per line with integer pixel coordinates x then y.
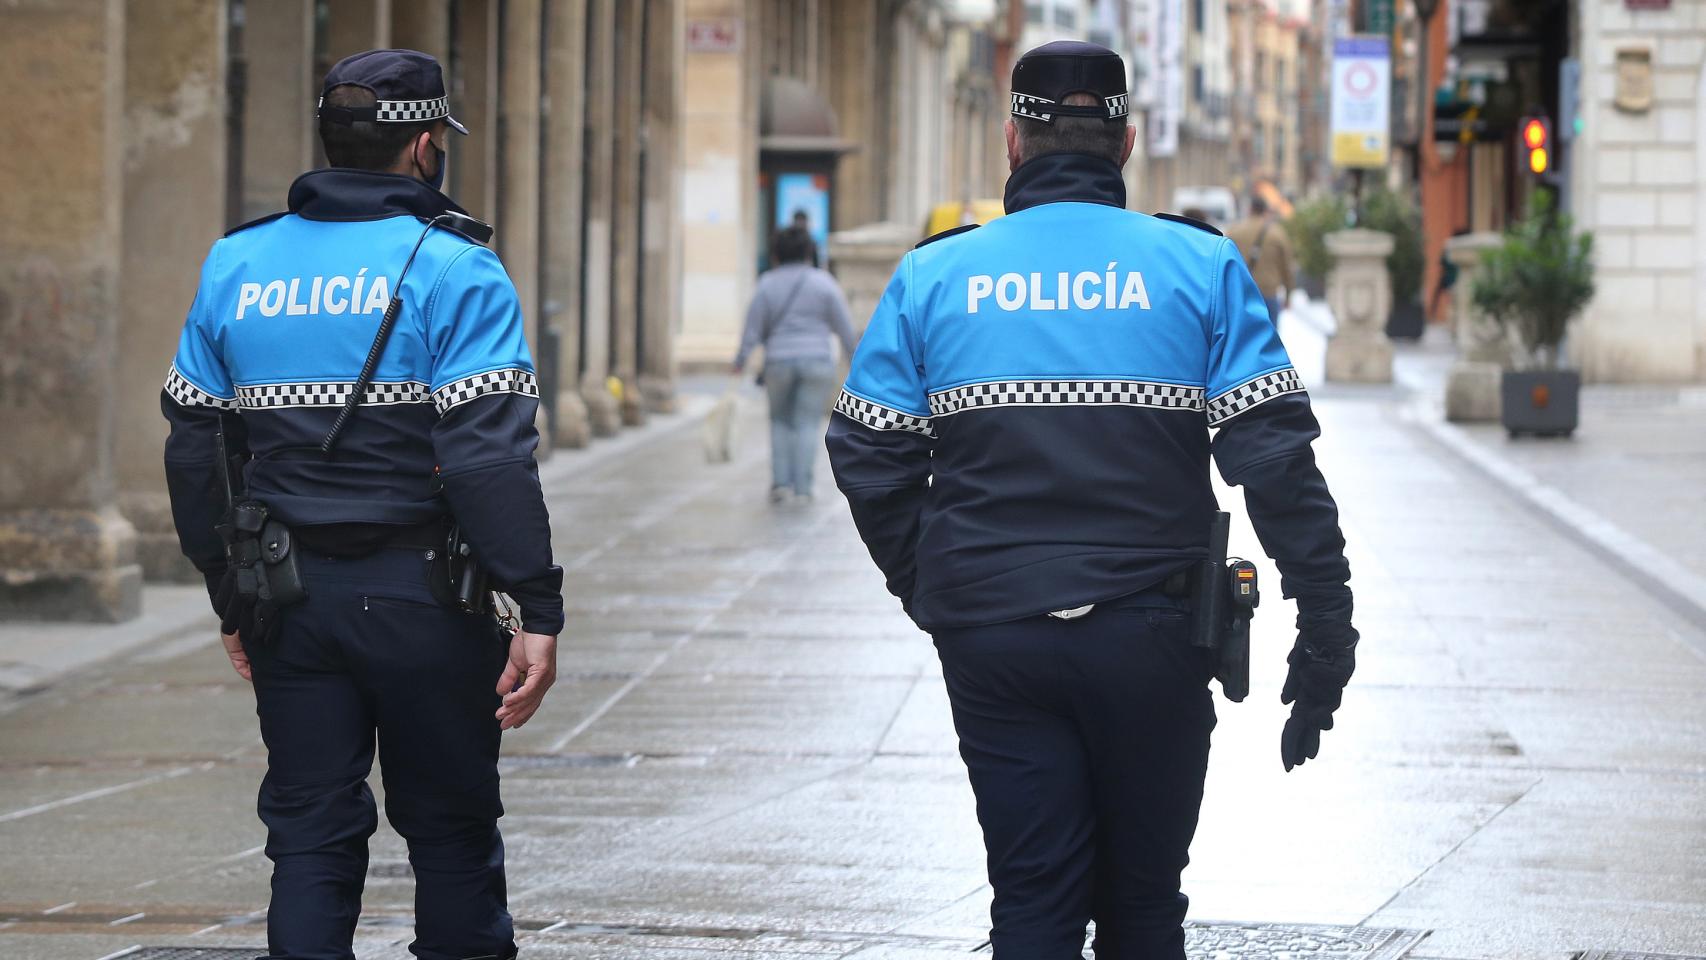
{"type": "Point", "coordinates": [1087, 744]}
{"type": "Point", "coordinates": [370, 658]}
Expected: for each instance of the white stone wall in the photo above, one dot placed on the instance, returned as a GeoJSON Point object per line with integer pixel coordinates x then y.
{"type": "Point", "coordinates": [1639, 182]}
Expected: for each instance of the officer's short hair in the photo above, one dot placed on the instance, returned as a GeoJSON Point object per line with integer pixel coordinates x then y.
{"type": "Point", "coordinates": [1098, 138]}
{"type": "Point", "coordinates": [791, 245]}
{"type": "Point", "coordinates": [365, 145]}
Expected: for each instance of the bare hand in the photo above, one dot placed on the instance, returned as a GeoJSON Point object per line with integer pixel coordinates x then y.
{"type": "Point", "coordinates": [531, 670]}
{"type": "Point", "coordinates": [239, 660]}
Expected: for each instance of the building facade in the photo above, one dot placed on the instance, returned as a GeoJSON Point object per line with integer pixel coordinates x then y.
{"type": "Point", "coordinates": [848, 113]}
{"type": "Point", "coordinates": [1628, 159]}
{"type": "Point", "coordinates": [172, 120]}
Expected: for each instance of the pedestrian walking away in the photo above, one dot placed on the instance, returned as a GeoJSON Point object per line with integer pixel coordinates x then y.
{"type": "Point", "coordinates": [1024, 442]}
{"type": "Point", "coordinates": [796, 313]}
{"type": "Point", "coordinates": [1266, 249]}
{"type": "Point", "coordinates": [351, 466]}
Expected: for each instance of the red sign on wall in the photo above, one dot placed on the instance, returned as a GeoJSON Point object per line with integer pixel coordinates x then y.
{"type": "Point", "coordinates": [713, 36]}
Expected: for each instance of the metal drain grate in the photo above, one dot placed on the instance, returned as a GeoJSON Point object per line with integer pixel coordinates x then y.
{"type": "Point", "coordinates": [188, 953]}
{"type": "Point", "coordinates": [1210, 940]}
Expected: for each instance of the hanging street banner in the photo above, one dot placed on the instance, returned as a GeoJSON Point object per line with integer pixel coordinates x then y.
{"type": "Point", "coordinates": [1362, 101]}
{"type": "Point", "coordinates": [1161, 87]}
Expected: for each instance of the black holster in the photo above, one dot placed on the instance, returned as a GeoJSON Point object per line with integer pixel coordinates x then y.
{"type": "Point", "coordinates": [262, 553]}
{"type": "Point", "coordinates": [1224, 598]}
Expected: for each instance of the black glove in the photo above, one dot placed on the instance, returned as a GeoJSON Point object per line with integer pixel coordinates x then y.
{"type": "Point", "coordinates": [229, 607]}
{"type": "Point", "coordinates": [1320, 668]}
{"type": "Point", "coordinates": [253, 620]}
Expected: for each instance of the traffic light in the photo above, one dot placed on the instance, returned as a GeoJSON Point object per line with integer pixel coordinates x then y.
{"type": "Point", "coordinates": [1537, 141]}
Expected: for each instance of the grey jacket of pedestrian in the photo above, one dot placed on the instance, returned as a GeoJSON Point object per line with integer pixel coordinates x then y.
{"type": "Point", "coordinates": [799, 328]}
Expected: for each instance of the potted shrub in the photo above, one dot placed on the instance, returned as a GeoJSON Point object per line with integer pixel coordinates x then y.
{"type": "Point", "coordinates": [1391, 212]}
{"type": "Point", "coordinates": [1533, 284]}
{"type": "Point", "coordinates": [1308, 227]}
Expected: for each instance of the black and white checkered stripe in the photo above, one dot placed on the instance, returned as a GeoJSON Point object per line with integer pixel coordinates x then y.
{"type": "Point", "coordinates": [878, 417]}
{"type": "Point", "coordinates": [1025, 105]}
{"type": "Point", "coordinates": [404, 111]}
{"type": "Point", "coordinates": [1036, 108]}
{"type": "Point", "coordinates": [511, 380]}
{"type": "Point", "coordinates": [180, 389]}
{"type": "Point", "coordinates": [266, 396]}
{"type": "Point", "coordinates": [1086, 393]}
{"type": "Point", "coordinates": [413, 111]}
{"type": "Point", "coordinates": [1258, 391]}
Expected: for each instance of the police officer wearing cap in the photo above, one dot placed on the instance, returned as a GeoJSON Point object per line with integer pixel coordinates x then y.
{"type": "Point", "coordinates": [1024, 440]}
{"type": "Point", "coordinates": [359, 498]}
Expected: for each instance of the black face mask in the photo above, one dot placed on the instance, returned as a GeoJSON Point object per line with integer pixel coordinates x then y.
{"type": "Point", "coordinates": [436, 181]}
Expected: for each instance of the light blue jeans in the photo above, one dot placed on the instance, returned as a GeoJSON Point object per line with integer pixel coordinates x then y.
{"type": "Point", "coordinates": [799, 399]}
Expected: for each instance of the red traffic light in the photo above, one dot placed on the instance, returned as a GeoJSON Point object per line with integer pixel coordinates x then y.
{"type": "Point", "coordinates": [1534, 133]}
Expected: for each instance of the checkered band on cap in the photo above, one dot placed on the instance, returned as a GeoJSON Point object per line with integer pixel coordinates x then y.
{"type": "Point", "coordinates": [878, 417]}
{"type": "Point", "coordinates": [1254, 393]}
{"type": "Point", "coordinates": [404, 111]}
{"type": "Point", "coordinates": [1038, 108]}
{"type": "Point", "coordinates": [328, 394]}
{"type": "Point", "coordinates": [511, 380]}
{"type": "Point", "coordinates": [180, 389]}
{"type": "Point", "coordinates": [413, 111]}
{"type": "Point", "coordinates": [1084, 393]}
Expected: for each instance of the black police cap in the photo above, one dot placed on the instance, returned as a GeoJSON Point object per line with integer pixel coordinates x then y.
{"type": "Point", "coordinates": [407, 83]}
{"type": "Point", "coordinates": [1046, 76]}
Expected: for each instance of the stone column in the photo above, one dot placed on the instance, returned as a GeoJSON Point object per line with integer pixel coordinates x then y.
{"type": "Point", "coordinates": [422, 25]}
{"type": "Point", "coordinates": [353, 26]}
{"type": "Point", "coordinates": [518, 192]}
{"type": "Point", "coordinates": [565, 79]}
{"type": "Point", "coordinates": [174, 208]}
{"type": "Point", "coordinates": [599, 185]}
{"type": "Point", "coordinates": [1359, 290]}
{"type": "Point", "coordinates": [473, 177]}
{"type": "Point", "coordinates": [864, 259]}
{"type": "Point", "coordinates": [625, 220]}
{"type": "Point", "coordinates": [278, 109]}
{"type": "Point", "coordinates": [1483, 346]}
{"type": "Point", "coordinates": [661, 257]}
{"type": "Point", "coordinates": [65, 550]}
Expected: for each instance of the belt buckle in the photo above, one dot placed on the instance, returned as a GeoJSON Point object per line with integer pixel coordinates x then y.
{"type": "Point", "coordinates": [1072, 613]}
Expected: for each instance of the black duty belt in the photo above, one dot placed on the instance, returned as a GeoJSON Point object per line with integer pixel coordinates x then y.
{"type": "Point", "coordinates": [360, 539]}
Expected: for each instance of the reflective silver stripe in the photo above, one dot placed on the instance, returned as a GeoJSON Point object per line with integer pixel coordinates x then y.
{"type": "Point", "coordinates": [1088, 393]}
{"type": "Point", "coordinates": [1254, 393]}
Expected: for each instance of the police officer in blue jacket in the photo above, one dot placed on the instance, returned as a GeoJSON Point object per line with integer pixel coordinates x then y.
{"type": "Point", "coordinates": [285, 314]}
{"type": "Point", "coordinates": [1024, 440]}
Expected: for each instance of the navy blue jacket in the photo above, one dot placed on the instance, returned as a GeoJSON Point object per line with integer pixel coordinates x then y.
{"type": "Point", "coordinates": [284, 316]}
{"type": "Point", "coordinates": [1027, 423]}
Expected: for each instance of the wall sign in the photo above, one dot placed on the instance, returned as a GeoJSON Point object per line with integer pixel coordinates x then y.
{"type": "Point", "coordinates": [1634, 79]}
{"type": "Point", "coordinates": [713, 36]}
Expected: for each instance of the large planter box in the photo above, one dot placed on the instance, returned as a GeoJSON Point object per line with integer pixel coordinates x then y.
{"type": "Point", "coordinates": [1406, 321]}
{"type": "Point", "coordinates": [1541, 402]}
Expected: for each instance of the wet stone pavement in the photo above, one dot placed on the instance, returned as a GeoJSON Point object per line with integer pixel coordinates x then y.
{"type": "Point", "coordinates": [749, 751]}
